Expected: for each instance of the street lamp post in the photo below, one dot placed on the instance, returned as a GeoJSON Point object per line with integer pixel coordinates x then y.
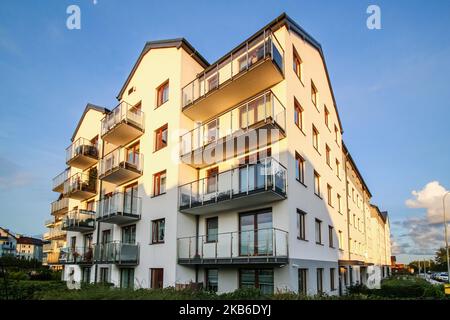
{"type": "Point", "coordinates": [446, 238]}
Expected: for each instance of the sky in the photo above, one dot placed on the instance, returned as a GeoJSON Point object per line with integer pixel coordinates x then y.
{"type": "Point", "coordinates": [391, 87]}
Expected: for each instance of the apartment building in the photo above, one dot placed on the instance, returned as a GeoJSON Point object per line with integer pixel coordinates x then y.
{"type": "Point", "coordinates": [29, 248]}
{"type": "Point", "coordinates": [8, 243]}
{"type": "Point", "coordinates": [225, 175]}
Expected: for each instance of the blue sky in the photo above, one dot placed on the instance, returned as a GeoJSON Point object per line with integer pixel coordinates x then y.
{"type": "Point", "coordinates": [391, 85]}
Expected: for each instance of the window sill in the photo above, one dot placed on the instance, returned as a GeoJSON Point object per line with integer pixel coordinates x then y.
{"type": "Point", "coordinates": [212, 241]}
{"type": "Point", "coordinates": [156, 150]}
{"type": "Point", "coordinates": [318, 196]}
{"type": "Point", "coordinates": [306, 240]}
{"type": "Point", "coordinates": [301, 130]}
{"type": "Point", "coordinates": [317, 151]}
{"type": "Point", "coordinates": [157, 107]}
{"type": "Point", "coordinates": [320, 244]}
{"type": "Point", "coordinates": [161, 194]}
{"type": "Point", "coordinates": [154, 243]}
{"type": "Point", "coordinates": [302, 183]}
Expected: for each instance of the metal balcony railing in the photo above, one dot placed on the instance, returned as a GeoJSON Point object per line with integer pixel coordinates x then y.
{"type": "Point", "coordinates": [261, 110]}
{"type": "Point", "coordinates": [119, 205]}
{"type": "Point", "coordinates": [58, 181]}
{"type": "Point", "coordinates": [117, 253]}
{"type": "Point", "coordinates": [54, 232]}
{"type": "Point", "coordinates": [76, 255]}
{"type": "Point", "coordinates": [123, 113]}
{"type": "Point", "coordinates": [81, 182]}
{"type": "Point", "coordinates": [268, 245]}
{"type": "Point", "coordinates": [79, 220]}
{"type": "Point", "coordinates": [59, 205]}
{"type": "Point", "coordinates": [249, 179]}
{"type": "Point", "coordinates": [121, 159]}
{"type": "Point", "coordinates": [261, 47]}
{"type": "Point", "coordinates": [81, 147]}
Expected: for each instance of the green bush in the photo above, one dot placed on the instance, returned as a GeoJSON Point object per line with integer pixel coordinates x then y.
{"type": "Point", "coordinates": [27, 289]}
{"type": "Point", "coordinates": [17, 275]}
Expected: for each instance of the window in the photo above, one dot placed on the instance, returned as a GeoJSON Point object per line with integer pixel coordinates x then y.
{"type": "Point", "coordinates": [161, 137]}
{"type": "Point", "coordinates": [127, 278]}
{"type": "Point", "coordinates": [298, 114]}
{"type": "Point", "coordinates": [318, 231]}
{"type": "Point", "coordinates": [353, 194]}
{"type": "Point", "coordinates": [319, 280]}
{"type": "Point", "coordinates": [350, 243]}
{"type": "Point", "coordinates": [314, 94]}
{"type": "Point", "coordinates": [104, 275]}
{"type": "Point", "coordinates": [157, 278]}
{"type": "Point", "coordinates": [332, 279]}
{"type": "Point", "coordinates": [129, 234]}
{"type": "Point", "coordinates": [211, 179]}
{"type": "Point", "coordinates": [316, 183]}
{"type": "Point", "coordinates": [330, 237]}
{"type": "Point", "coordinates": [330, 195]}
{"type": "Point", "coordinates": [315, 138]}
{"type": "Point", "coordinates": [298, 65]}
{"type": "Point", "coordinates": [159, 183]}
{"type": "Point", "coordinates": [299, 168]}
{"type": "Point", "coordinates": [211, 279]}
{"type": "Point", "coordinates": [162, 93]}
{"type": "Point", "coordinates": [341, 240]}
{"type": "Point", "coordinates": [336, 134]}
{"type": "Point", "coordinates": [338, 169]}
{"type": "Point", "coordinates": [359, 226]}
{"type": "Point", "coordinates": [257, 278]}
{"type": "Point", "coordinates": [327, 116]}
{"type": "Point", "coordinates": [354, 220]}
{"type": "Point", "coordinates": [338, 196]}
{"type": "Point", "coordinates": [328, 155]}
{"type": "Point", "coordinates": [212, 229]}
{"type": "Point", "coordinates": [302, 281]}
{"type": "Point", "coordinates": [158, 231]}
{"type": "Point", "coordinates": [301, 216]}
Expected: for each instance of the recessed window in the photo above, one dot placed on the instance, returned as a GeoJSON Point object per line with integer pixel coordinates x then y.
{"type": "Point", "coordinates": [302, 281]}
{"type": "Point", "coordinates": [315, 138]}
{"type": "Point", "coordinates": [299, 168]}
{"type": "Point", "coordinates": [316, 183]}
{"type": "Point", "coordinates": [257, 278]}
{"type": "Point", "coordinates": [327, 116]}
{"type": "Point", "coordinates": [212, 229]}
{"type": "Point", "coordinates": [314, 94]}
{"type": "Point", "coordinates": [336, 134]}
{"type": "Point", "coordinates": [328, 155]}
{"type": "Point", "coordinates": [332, 279]}
{"type": "Point", "coordinates": [298, 65]}
{"type": "Point", "coordinates": [338, 169]}
{"type": "Point", "coordinates": [211, 279]}
{"type": "Point", "coordinates": [212, 179]}
{"type": "Point", "coordinates": [341, 240]}
{"type": "Point", "coordinates": [158, 230]}
{"type": "Point", "coordinates": [330, 236]}
{"type": "Point", "coordinates": [162, 93]}
{"type": "Point", "coordinates": [131, 90]}
{"type": "Point", "coordinates": [298, 114]}
{"type": "Point", "coordinates": [330, 195]}
{"type": "Point", "coordinates": [301, 216]}
{"type": "Point", "coordinates": [159, 183]}
{"type": "Point", "coordinates": [161, 135]}
{"type": "Point", "coordinates": [156, 278]}
{"type": "Point", "coordinates": [339, 202]}
{"type": "Point", "coordinates": [318, 229]}
{"type": "Point", "coordinates": [319, 280]}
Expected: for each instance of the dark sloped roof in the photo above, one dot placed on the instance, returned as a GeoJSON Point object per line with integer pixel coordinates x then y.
{"type": "Point", "coordinates": [89, 106]}
{"type": "Point", "coordinates": [29, 240]}
{"type": "Point", "coordinates": [167, 43]}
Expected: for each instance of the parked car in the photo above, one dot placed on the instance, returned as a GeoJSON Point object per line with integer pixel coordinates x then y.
{"type": "Point", "coordinates": [443, 277]}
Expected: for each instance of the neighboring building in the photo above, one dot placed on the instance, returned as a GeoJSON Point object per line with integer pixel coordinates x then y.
{"type": "Point", "coordinates": [8, 243]}
{"type": "Point", "coordinates": [231, 174]}
{"type": "Point", "coordinates": [29, 248]}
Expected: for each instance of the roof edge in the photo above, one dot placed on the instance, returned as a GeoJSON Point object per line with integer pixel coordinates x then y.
{"type": "Point", "coordinates": [89, 106]}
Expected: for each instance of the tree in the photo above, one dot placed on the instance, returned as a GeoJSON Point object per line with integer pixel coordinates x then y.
{"type": "Point", "coordinates": [441, 260]}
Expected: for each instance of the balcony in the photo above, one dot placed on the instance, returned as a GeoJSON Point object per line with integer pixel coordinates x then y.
{"type": "Point", "coordinates": [76, 255]}
{"type": "Point", "coordinates": [81, 186]}
{"type": "Point", "coordinates": [119, 208]}
{"type": "Point", "coordinates": [117, 253]}
{"type": "Point", "coordinates": [58, 181]}
{"type": "Point", "coordinates": [82, 154]}
{"type": "Point", "coordinates": [260, 182]}
{"type": "Point", "coordinates": [254, 66]}
{"type": "Point", "coordinates": [55, 233]}
{"type": "Point", "coordinates": [51, 258]}
{"type": "Point", "coordinates": [79, 220]}
{"type": "Point", "coordinates": [60, 206]}
{"type": "Point", "coordinates": [121, 166]}
{"type": "Point", "coordinates": [47, 247]}
{"type": "Point", "coordinates": [258, 247]}
{"type": "Point", "coordinates": [123, 124]}
{"type": "Point", "coordinates": [49, 223]}
{"type": "Point", "coordinates": [258, 122]}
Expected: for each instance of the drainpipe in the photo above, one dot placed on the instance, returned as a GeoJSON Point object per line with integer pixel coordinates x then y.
{"type": "Point", "coordinates": [197, 227]}
{"type": "Point", "coordinates": [346, 201]}
{"type": "Point", "coordinates": [98, 222]}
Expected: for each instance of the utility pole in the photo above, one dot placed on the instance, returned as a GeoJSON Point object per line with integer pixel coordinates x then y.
{"type": "Point", "coordinates": [446, 238]}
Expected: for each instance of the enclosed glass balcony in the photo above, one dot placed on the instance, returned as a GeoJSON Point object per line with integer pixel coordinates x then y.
{"type": "Point", "coordinates": [247, 185]}
{"type": "Point", "coordinates": [262, 246]}
{"type": "Point", "coordinates": [121, 166]}
{"type": "Point", "coordinates": [116, 253]}
{"type": "Point", "coordinates": [119, 208]}
{"type": "Point", "coordinates": [252, 67]}
{"type": "Point", "coordinates": [82, 154]}
{"type": "Point", "coordinates": [79, 220]}
{"type": "Point", "coordinates": [257, 122]}
{"type": "Point", "coordinates": [123, 124]}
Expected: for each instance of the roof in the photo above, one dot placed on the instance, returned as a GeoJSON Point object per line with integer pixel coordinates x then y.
{"type": "Point", "coordinates": [89, 106]}
{"type": "Point", "coordinates": [167, 43]}
{"type": "Point", "coordinates": [383, 214]}
{"type": "Point", "coordinates": [29, 240]}
{"type": "Point", "coordinates": [8, 232]}
{"type": "Point", "coordinates": [349, 156]}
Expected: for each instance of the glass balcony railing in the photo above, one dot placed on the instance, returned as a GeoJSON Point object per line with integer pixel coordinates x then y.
{"type": "Point", "coordinates": [82, 154]}
{"type": "Point", "coordinates": [81, 186]}
{"type": "Point", "coordinates": [123, 124]}
{"type": "Point", "coordinates": [250, 54]}
{"type": "Point", "coordinates": [49, 222]}
{"type": "Point", "coordinates": [51, 257]}
{"type": "Point", "coordinates": [60, 206]}
{"type": "Point", "coordinates": [79, 220]}
{"type": "Point", "coordinates": [121, 165]}
{"type": "Point", "coordinates": [55, 233]}
{"type": "Point", "coordinates": [268, 245]}
{"type": "Point", "coordinates": [264, 180]}
{"type": "Point", "coordinates": [58, 181]}
{"type": "Point", "coordinates": [76, 255]}
{"type": "Point", "coordinates": [119, 208]}
{"type": "Point", "coordinates": [258, 112]}
{"type": "Point", "coordinates": [117, 253]}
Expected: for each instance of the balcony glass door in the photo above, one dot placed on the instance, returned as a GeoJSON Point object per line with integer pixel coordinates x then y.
{"type": "Point", "coordinates": [133, 155]}
{"type": "Point", "coordinates": [131, 199]}
{"type": "Point", "coordinates": [129, 234]}
{"type": "Point", "coordinates": [255, 234]}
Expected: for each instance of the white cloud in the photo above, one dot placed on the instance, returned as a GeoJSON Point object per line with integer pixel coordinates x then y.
{"type": "Point", "coordinates": [430, 198]}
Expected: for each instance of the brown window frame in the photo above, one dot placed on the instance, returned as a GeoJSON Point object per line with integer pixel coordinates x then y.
{"type": "Point", "coordinates": [157, 183]}
{"type": "Point", "coordinates": [297, 65]}
{"type": "Point", "coordinates": [159, 142]}
{"type": "Point", "coordinates": [301, 216]}
{"type": "Point", "coordinates": [155, 231]}
{"type": "Point", "coordinates": [315, 138]}
{"type": "Point", "coordinates": [300, 165]}
{"type": "Point", "coordinates": [298, 115]}
{"type": "Point", "coordinates": [156, 278]}
{"type": "Point", "coordinates": [160, 93]}
{"type": "Point", "coordinates": [314, 94]}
